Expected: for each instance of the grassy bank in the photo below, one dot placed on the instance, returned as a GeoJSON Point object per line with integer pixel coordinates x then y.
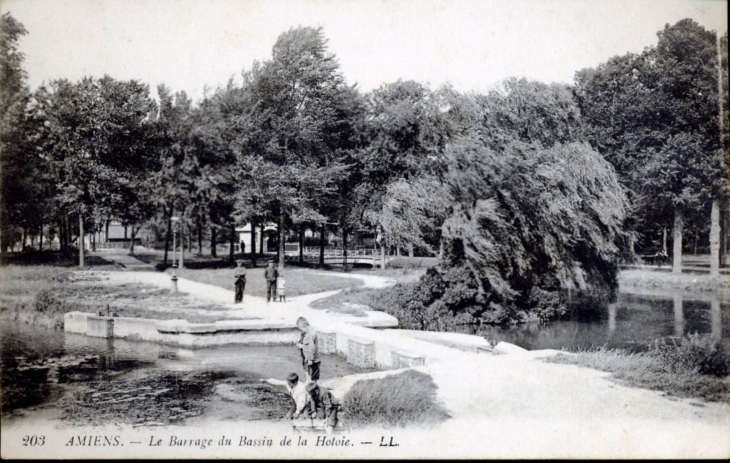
{"type": "Point", "coordinates": [41, 295]}
{"type": "Point", "coordinates": [694, 367]}
{"type": "Point", "coordinates": [363, 298]}
{"type": "Point", "coordinates": [662, 280]}
{"type": "Point", "coordinates": [395, 401]}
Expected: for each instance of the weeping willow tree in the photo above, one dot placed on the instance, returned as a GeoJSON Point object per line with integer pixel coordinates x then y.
{"type": "Point", "coordinates": [536, 217]}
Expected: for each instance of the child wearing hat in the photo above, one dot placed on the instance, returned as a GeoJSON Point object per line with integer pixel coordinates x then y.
{"type": "Point", "coordinates": [322, 405]}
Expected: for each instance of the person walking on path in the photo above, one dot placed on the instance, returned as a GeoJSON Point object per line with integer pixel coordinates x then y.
{"type": "Point", "coordinates": [297, 391]}
{"type": "Point", "coordinates": [322, 405]}
{"type": "Point", "coordinates": [240, 281]}
{"type": "Point", "coordinates": [281, 288]}
{"type": "Point", "coordinates": [309, 349]}
{"type": "Point", "coordinates": [271, 275]}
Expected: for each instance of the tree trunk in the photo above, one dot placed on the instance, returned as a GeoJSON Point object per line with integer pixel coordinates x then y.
{"type": "Point", "coordinates": [200, 239]}
{"type": "Point", "coordinates": [232, 248]}
{"type": "Point", "coordinates": [25, 237]}
{"type": "Point", "coordinates": [382, 254]}
{"type": "Point", "coordinates": [131, 245]}
{"type": "Point", "coordinates": [678, 316]}
{"type": "Point", "coordinates": [61, 237]}
{"type": "Point", "coordinates": [167, 240]}
{"type": "Point", "coordinates": [261, 240]}
{"type": "Point", "coordinates": [93, 241]}
{"type": "Point", "coordinates": [715, 238]}
{"type": "Point", "coordinates": [213, 244]}
{"type": "Point", "coordinates": [106, 234]}
{"type": "Point", "coordinates": [81, 240]}
{"type": "Point", "coordinates": [723, 239]}
{"type": "Point", "coordinates": [181, 256]}
{"type": "Point", "coordinates": [40, 241]}
{"type": "Point", "coordinates": [67, 232]}
{"type": "Point", "coordinates": [697, 238]}
{"type": "Point", "coordinates": [253, 243]}
{"type": "Point", "coordinates": [344, 249]}
{"type": "Point", "coordinates": [321, 246]}
{"type": "Point", "coordinates": [281, 240]}
{"type": "Point", "coordinates": [397, 250]}
{"type": "Point", "coordinates": [677, 242]}
{"type": "Point", "coordinates": [125, 232]}
{"type": "Point", "coordinates": [410, 249]}
{"type": "Point", "coordinates": [664, 239]}
{"type": "Point", "coordinates": [301, 243]}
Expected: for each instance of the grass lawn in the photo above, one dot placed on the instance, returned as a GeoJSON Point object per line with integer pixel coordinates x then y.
{"type": "Point", "coordinates": [347, 299]}
{"type": "Point", "coordinates": [650, 372]}
{"type": "Point", "coordinates": [298, 281]}
{"type": "Point", "coordinates": [42, 294]}
{"type": "Point", "coordinates": [360, 298]}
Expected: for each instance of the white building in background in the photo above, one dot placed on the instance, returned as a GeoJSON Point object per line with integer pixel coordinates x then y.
{"type": "Point", "coordinates": [244, 237]}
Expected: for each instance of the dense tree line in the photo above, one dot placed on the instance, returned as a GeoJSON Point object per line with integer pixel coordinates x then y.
{"type": "Point", "coordinates": [529, 193]}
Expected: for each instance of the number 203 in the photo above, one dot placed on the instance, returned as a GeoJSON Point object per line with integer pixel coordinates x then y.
{"type": "Point", "coordinates": [33, 441]}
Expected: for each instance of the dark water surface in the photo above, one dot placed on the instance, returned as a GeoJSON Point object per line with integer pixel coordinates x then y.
{"type": "Point", "coordinates": [631, 323]}
{"type": "Point", "coordinates": [39, 365]}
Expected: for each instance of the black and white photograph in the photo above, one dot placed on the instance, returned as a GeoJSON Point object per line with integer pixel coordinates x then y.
{"type": "Point", "coordinates": [364, 229]}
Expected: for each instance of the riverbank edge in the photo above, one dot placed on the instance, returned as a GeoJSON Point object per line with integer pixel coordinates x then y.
{"type": "Point", "coordinates": [652, 281]}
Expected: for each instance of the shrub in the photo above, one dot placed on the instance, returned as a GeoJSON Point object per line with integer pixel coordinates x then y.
{"type": "Point", "coordinates": [405, 399]}
{"type": "Point", "coordinates": [694, 353]}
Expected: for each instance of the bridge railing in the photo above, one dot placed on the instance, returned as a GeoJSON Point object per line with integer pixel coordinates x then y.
{"type": "Point", "coordinates": [338, 252]}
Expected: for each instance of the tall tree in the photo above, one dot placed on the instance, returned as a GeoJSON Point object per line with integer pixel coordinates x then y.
{"type": "Point", "coordinates": [24, 183]}
{"type": "Point", "coordinates": [289, 158]}
{"type": "Point", "coordinates": [406, 131]}
{"type": "Point", "coordinates": [95, 132]}
{"type": "Point", "coordinates": [657, 110]}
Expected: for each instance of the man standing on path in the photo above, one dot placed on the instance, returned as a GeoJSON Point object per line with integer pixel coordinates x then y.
{"type": "Point", "coordinates": [309, 349]}
{"type": "Point", "coordinates": [271, 275]}
{"type": "Point", "coordinates": [296, 390]}
{"type": "Point", "coordinates": [240, 281]}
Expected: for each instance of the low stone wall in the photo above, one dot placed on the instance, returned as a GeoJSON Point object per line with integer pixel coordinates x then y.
{"type": "Point", "coordinates": [75, 322]}
{"type": "Point", "coordinates": [384, 350]}
{"type": "Point", "coordinates": [137, 329]}
{"type": "Point", "coordinates": [362, 346]}
{"type": "Point", "coordinates": [181, 332]}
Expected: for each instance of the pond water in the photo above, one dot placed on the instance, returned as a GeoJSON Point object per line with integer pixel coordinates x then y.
{"type": "Point", "coordinates": [631, 323]}
{"type": "Point", "coordinates": [139, 382]}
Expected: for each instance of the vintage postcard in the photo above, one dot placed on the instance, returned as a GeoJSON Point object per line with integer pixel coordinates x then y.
{"type": "Point", "coordinates": [364, 229]}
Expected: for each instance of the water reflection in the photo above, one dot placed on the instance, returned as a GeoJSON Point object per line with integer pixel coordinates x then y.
{"type": "Point", "coordinates": [37, 364]}
{"type": "Point", "coordinates": [630, 323]}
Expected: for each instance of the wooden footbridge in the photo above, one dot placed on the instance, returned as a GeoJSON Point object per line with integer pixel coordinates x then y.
{"type": "Point", "coordinates": [336, 256]}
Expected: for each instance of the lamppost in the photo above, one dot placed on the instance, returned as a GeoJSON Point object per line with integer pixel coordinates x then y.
{"type": "Point", "coordinates": [174, 221]}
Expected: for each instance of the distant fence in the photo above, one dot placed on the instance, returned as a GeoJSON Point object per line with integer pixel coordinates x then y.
{"type": "Point", "coordinates": [116, 244]}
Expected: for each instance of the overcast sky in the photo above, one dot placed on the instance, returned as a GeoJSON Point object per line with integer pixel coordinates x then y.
{"type": "Point", "coordinates": [188, 44]}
